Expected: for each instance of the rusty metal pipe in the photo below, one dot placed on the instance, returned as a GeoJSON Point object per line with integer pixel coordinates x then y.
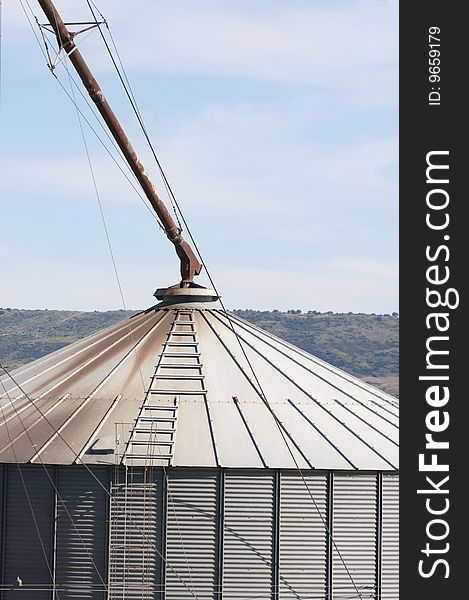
{"type": "Point", "coordinates": [190, 266]}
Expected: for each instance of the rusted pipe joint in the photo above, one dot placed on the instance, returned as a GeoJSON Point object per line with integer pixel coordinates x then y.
{"type": "Point", "coordinates": [174, 235]}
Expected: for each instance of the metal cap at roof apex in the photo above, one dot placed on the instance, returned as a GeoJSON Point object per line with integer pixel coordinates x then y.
{"type": "Point", "coordinates": [176, 294]}
{"type": "Point", "coordinates": [188, 385]}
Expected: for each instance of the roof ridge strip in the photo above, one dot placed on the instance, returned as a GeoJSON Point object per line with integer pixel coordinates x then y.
{"type": "Point", "coordinates": [258, 392]}
{"type": "Point", "coordinates": [314, 359]}
{"type": "Point", "coordinates": [314, 399]}
{"type": "Point", "coordinates": [391, 400]}
{"type": "Point", "coordinates": [251, 435]}
{"type": "Point", "coordinates": [207, 405]}
{"type": "Point", "coordinates": [96, 389]}
{"type": "Point", "coordinates": [328, 382]}
{"type": "Point", "coordinates": [56, 364]}
{"type": "Point", "coordinates": [30, 402]}
{"type": "Point", "coordinates": [323, 435]}
{"type": "Point", "coordinates": [79, 368]}
{"type": "Point", "coordinates": [344, 405]}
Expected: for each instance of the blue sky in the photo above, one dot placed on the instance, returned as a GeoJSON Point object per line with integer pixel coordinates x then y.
{"type": "Point", "coordinates": [276, 122]}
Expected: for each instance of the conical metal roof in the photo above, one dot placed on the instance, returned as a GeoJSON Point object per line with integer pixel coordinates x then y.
{"type": "Point", "coordinates": [188, 385]}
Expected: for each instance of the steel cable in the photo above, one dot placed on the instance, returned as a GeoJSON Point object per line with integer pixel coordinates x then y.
{"type": "Point", "coordinates": [28, 499]}
{"type": "Point", "coordinates": [81, 461]}
{"type": "Point", "coordinates": [176, 204]}
{"type": "Point", "coordinates": [131, 97]}
{"type": "Point", "coordinates": [106, 229]}
{"type": "Point", "coordinates": [56, 490]}
{"type": "Point", "coordinates": [140, 120]}
{"type": "Point", "coordinates": [142, 198]}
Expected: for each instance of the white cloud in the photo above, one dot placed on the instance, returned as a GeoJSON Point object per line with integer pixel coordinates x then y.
{"type": "Point", "coordinates": [361, 166]}
{"type": "Point", "coordinates": [238, 158]}
{"type": "Point", "coordinates": [350, 47]}
{"type": "Point", "coordinates": [289, 42]}
{"type": "Point", "coordinates": [227, 159]}
{"type": "Point", "coordinates": [243, 178]}
{"type": "Point", "coordinates": [68, 177]}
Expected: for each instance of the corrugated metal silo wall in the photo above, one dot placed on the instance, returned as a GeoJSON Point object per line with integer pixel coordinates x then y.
{"type": "Point", "coordinates": [390, 538]}
{"type": "Point", "coordinates": [54, 532]}
{"type": "Point", "coordinates": [192, 542]}
{"type": "Point", "coordinates": [354, 531]}
{"type": "Point", "coordinates": [69, 533]}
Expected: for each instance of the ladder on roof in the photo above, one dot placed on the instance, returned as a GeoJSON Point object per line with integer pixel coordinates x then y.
{"type": "Point", "coordinates": [178, 373]}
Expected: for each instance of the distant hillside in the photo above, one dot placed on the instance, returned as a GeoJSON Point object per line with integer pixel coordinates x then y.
{"type": "Point", "coordinates": [364, 345]}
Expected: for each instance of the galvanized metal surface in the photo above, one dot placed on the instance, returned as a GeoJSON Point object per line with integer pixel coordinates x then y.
{"type": "Point", "coordinates": [303, 536]}
{"type": "Point", "coordinates": [231, 534]}
{"type": "Point", "coordinates": [390, 538]}
{"type": "Point", "coordinates": [248, 535]}
{"type": "Point", "coordinates": [81, 534]}
{"type": "Point", "coordinates": [177, 294]}
{"type": "Point", "coordinates": [354, 532]}
{"type": "Point", "coordinates": [294, 410]}
{"type": "Point", "coordinates": [28, 533]}
{"type": "Point", "coordinates": [192, 535]}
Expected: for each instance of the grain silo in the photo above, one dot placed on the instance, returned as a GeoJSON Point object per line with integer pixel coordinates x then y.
{"type": "Point", "coordinates": [185, 453]}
